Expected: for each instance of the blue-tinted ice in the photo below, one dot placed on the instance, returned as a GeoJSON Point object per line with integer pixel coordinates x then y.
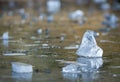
{"type": "Point", "coordinates": [53, 6]}
{"type": "Point", "coordinates": [88, 46]}
{"type": "Point", "coordinates": [87, 69]}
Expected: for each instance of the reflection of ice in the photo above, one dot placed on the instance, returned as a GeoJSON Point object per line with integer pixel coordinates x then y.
{"type": "Point", "coordinates": [72, 76]}
{"type": "Point", "coordinates": [5, 43]}
{"type": "Point", "coordinates": [92, 64]}
{"type": "Point", "coordinates": [87, 70]}
{"type": "Point", "coordinates": [22, 76]}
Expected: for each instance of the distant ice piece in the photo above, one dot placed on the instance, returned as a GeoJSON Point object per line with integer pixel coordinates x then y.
{"type": "Point", "coordinates": [77, 16]}
{"type": "Point", "coordinates": [14, 54]}
{"type": "Point", "coordinates": [5, 36]}
{"type": "Point", "coordinates": [99, 1]}
{"type": "Point", "coordinates": [21, 67]}
{"type": "Point", "coordinates": [72, 47]}
{"type": "Point", "coordinates": [39, 31]}
{"type": "Point", "coordinates": [41, 17]}
{"type": "Point", "coordinates": [50, 18]}
{"type": "Point", "coordinates": [111, 20]}
{"type": "Point", "coordinates": [74, 16]}
{"type": "Point", "coordinates": [105, 6]}
{"type": "Point", "coordinates": [88, 46]}
{"type": "Point", "coordinates": [53, 6]}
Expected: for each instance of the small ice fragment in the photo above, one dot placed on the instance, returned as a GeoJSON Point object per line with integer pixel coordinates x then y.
{"type": "Point", "coordinates": [72, 47]}
{"type": "Point", "coordinates": [72, 68]}
{"type": "Point", "coordinates": [105, 6]}
{"type": "Point", "coordinates": [99, 1]}
{"type": "Point", "coordinates": [5, 36]}
{"type": "Point", "coordinates": [21, 67]}
{"type": "Point", "coordinates": [78, 14]}
{"type": "Point", "coordinates": [39, 31]}
{"type": "Point", "coordinates": [14, 54]}
{"type": "Point", "coordinates": [53, 6]}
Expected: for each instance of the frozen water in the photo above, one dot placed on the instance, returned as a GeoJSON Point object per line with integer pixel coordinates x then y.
{"type": "Point", "coordinates": [50, 18]}
{"type": "Point", "coordinates": [14, 54]}
{"type": "Point", "coordinates": [83, 65]}
{"type": "Point", "coordinates": [39, 31]}
{"type": "Point", "coordinates": [99, 1]}
{"type": "Point", "coordinates": [41, 17]}
{"type": "Point", "coordinates": [22, 11]}
{"type": "Point", "coordinates": [88, 46]}
{"type": "Point", "coordinates": [72, 47]}
{"type": "Point", "coordinates": [53, 6]}
{"type": "Point", "coordinates": [5, 36]}
{"type": "Point", "coordinates": [21, 67]}
{"type": "Point", "coordinates": [87, 72]}
{"type": "Point", "coordinates": [78, 14]}
{"type": "Point", "coordinates": [111, 20]}
{"type": "Point", "coordinates": [105, 6]}
{"type": "Point", "coordinates": [92, 64]}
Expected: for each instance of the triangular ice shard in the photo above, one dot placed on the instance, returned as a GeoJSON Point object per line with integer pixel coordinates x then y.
{"type": "Point", "coordinates": [88, 46]}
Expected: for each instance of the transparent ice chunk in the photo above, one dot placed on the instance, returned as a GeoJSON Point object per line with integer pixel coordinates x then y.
{"type": "Point", "coordinates": [88, 46]}
{"type": "Point", "coordinates": [19, 67]}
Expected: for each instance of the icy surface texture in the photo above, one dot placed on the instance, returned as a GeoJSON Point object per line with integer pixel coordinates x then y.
{"type": "Point", "coordinates": [21, 67]}
{"type": "Point", "coordinates": [88, 46]}
{"type": "Point", "coordinates": [53, 6]}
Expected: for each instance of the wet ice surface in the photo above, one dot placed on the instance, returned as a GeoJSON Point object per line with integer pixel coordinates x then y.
{"type": "Point", "coordinates": [47, 69]}
{"type": "Point", "coordinates": [43, 53]}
